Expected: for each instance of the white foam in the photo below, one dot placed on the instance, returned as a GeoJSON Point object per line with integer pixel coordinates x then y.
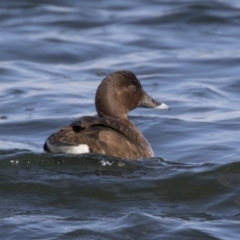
{"type": "Point", "coordinates": [81, 148]}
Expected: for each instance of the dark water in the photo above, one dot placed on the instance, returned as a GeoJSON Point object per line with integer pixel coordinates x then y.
{"type": "Point", "coordinates": [186, 54]}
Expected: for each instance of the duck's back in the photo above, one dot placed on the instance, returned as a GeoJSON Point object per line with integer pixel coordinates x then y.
{"type": "Point", "coordinates": [100, 135]}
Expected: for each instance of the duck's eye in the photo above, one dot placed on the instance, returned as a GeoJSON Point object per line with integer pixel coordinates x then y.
{"type": "Point", "coordinates": [132, 88]}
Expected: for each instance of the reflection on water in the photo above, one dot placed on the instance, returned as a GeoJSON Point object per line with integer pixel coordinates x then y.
{"type": "Point", "coordinates": [186, 54]}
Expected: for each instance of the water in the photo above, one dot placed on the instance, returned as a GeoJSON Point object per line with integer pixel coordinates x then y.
{"type": "Point", "coordinates": [186, 54]}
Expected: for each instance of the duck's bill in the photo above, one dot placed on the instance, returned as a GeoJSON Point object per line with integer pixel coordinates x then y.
{"type": "Point", "coordinates": [148, 102]}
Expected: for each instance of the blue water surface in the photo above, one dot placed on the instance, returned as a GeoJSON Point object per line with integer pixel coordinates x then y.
{"type": "Point", "coordinates": [186, 54]}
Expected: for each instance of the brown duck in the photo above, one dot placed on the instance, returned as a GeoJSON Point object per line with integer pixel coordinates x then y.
{"type": "Point", "coordinates": [110, 132]}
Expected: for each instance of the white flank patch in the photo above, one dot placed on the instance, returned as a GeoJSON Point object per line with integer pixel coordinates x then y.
{"type": "Point", "coordinates": [163, 106]}
{"type": "Point", "coordinates": [81, 148]}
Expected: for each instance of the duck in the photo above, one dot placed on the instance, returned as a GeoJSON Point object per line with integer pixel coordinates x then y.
{"type": "Point", "coordinates": [110, 132]}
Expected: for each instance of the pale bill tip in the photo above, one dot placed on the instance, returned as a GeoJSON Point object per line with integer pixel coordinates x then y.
{"type": "Point", "coordinates": [163, 106]}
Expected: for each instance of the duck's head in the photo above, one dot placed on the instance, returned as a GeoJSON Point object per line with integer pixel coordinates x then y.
{"type": "Point", "coordinates": [121, 92]}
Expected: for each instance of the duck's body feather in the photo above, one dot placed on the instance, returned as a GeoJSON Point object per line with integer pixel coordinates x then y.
{"type": "Point", "coordinates": [100, 135]}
